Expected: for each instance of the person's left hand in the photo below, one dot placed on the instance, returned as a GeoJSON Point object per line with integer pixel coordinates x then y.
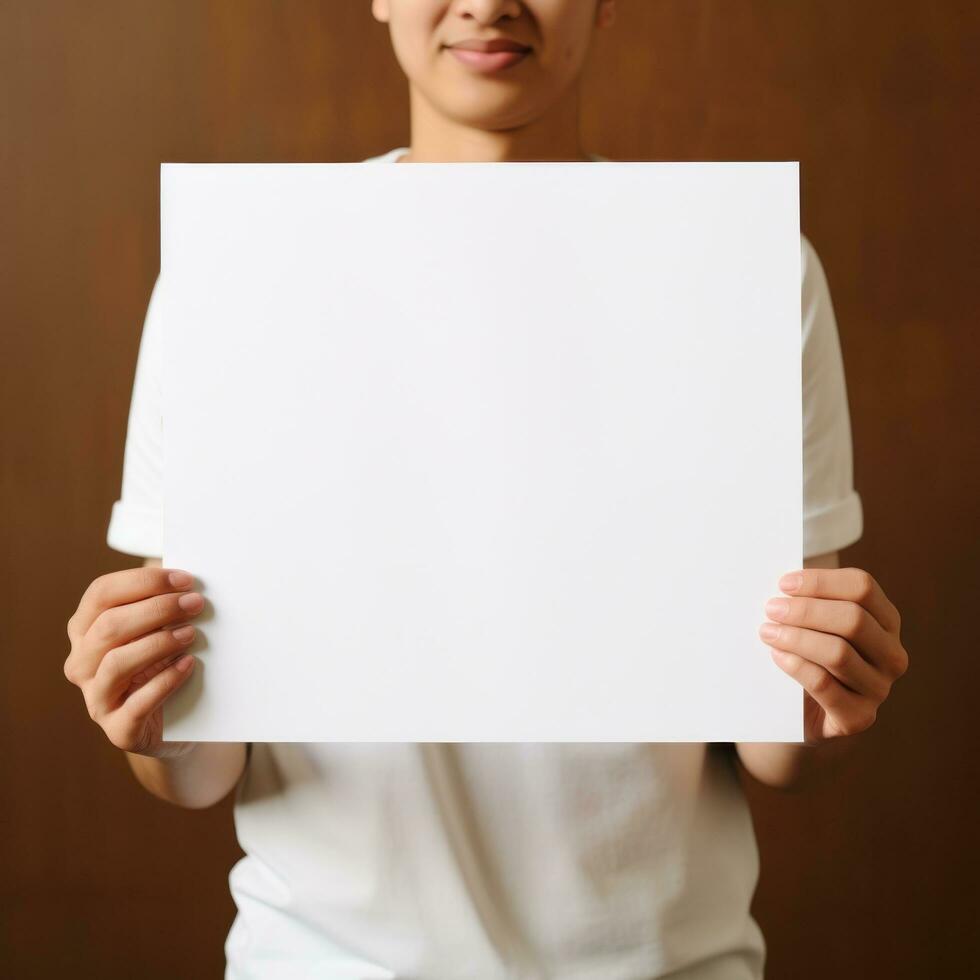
{"type": "Point", "coordinates": [838, 636]}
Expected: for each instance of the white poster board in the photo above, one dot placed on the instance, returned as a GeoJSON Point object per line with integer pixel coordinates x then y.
{"type": "Point", "coordinates": [482, 451]}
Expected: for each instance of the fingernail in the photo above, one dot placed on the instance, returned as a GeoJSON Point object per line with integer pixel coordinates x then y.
{"type": "Point", "coordinates": [190, 602]}
{"type": "Point", "coordinates": [185, 662]}
{"type": "Point", "coordinates": [179, 579]}
{"type": "Point", "coordinates": [769, 631]}
{"type": "Point", "coordinates": [777, 608]}
{"type": "Point", "coordinates": [791, 581]}
{"type": "Point", "coordinates": [183, 634]}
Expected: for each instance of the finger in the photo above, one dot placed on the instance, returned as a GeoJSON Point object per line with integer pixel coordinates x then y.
{"type": "Point", "coordinates": [143, 701]}
{"type": "Point", "coordinates": [849, 712]}
{"type": "Point", "coordinates": [123, 666]}
{"type": "Point", "coordinates": [122, 624]}
{"type": "Point", "coordinates": [841, 618]}
{"type": "Point", "coordinates": [100, 711]}
{"type": "Point", "coordinates": [125, 586]}
{"type": "Point", "coordinates": [831, 652]}
{"type": "Point", "coordinates": [851, 584]}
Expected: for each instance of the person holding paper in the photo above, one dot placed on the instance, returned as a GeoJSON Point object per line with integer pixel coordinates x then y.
{"type": "Point", "coordinates": [593, 861]}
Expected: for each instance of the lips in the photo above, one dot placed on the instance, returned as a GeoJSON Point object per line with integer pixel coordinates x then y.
{"type": "Point", "coordinates": [489, 56]}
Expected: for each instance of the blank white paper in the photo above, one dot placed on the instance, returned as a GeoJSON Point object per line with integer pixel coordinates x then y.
{"type": "Point", "coordinates": [482, 451]}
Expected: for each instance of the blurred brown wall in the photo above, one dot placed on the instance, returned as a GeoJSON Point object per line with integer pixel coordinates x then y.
{"type": "Point", "coordinates": [872, 877]}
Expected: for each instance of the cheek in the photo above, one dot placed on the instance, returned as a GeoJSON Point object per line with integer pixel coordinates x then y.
{"type": "Point", "coordinates": [565, 57]}
{"type": "Point", "coordinates": [566, 42]}
{"type": "Point", "coordinates": [415, 27]}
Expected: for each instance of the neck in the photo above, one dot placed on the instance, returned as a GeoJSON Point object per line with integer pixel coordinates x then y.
{"type": "Point", "coordinates": [439, 139]}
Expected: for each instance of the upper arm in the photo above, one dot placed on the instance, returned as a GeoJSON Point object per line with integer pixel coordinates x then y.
{"type": "Point", "coordinates": [832, 509]}
{"type": "Point", "coordinates": [136, 521]}
{"type": "Point", "coordinates": [832, 513]}
{"type": "Point", "coordinates": [829, 560]}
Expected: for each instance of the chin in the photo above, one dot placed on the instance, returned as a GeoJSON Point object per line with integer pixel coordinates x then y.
{"type": "Point", "coordinates": [483, 109]}
{"type": "Point", "coordinates": [492, 118]}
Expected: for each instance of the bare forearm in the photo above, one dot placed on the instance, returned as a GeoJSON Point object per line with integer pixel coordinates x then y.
{"type": "Point", "coordinates": [792, 765]}
{"type": "Point", "coordinates": [199, 778]}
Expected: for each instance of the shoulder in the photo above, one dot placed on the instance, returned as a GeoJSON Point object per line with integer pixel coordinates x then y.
{"type": "Point", "coordinates": [813, 275]}
{"type": "Point", "coordinates": [817, 304]}
{"type": "Point", "coordinates": [388, 157]}
{"type": "Point", "coordinates": [818, 320]}
{"type": "Point", "coordinates": [149, 365]}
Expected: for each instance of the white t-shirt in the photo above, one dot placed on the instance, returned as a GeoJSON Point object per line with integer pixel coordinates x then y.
{"type": "Point", "coordinates": [574, 861]}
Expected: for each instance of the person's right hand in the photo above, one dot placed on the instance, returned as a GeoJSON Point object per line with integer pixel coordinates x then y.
{"type": "Point", "coordinates": [128, 641]}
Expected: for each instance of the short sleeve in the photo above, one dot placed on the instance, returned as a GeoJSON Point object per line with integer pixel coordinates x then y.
{"type": "Point", "coordinates": [832, 512]}
{"type": "Point", "coordinates": [136, 521]}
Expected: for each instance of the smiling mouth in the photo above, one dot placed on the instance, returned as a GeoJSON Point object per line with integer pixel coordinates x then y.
{"type": "Point", "coordinates": [488, 56]}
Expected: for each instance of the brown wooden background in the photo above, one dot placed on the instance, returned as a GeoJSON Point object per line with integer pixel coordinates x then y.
{"type": "Point", "coordinates": [872, 877]}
